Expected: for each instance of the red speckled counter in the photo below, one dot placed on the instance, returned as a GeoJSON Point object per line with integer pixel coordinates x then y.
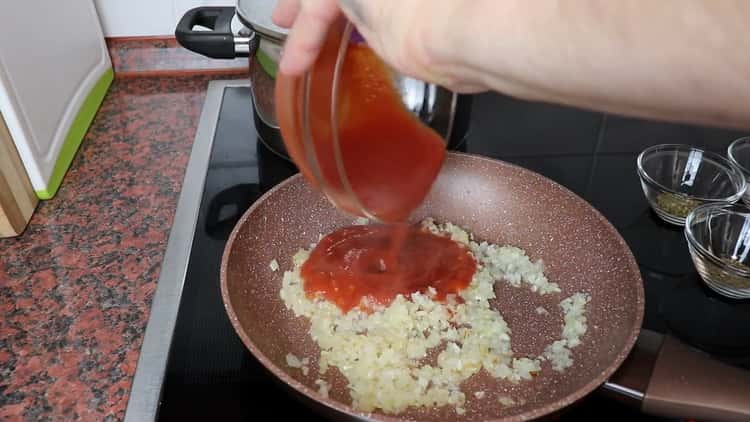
{"type": "Point", "coordinates": [76, 287]}
{"type": "Point", "coordinates": [137, 56]}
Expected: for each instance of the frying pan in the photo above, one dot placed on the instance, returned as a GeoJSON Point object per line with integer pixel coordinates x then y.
{"type": "Point", "coordinates": [498, 202]}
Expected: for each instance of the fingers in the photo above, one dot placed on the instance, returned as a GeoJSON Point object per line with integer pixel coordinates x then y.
{"type": "Point", "coordinates": [286, 12]}
{"type": "Point", "coordinates": [306, 37]}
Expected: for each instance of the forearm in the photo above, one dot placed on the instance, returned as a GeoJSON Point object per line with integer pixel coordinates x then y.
{"type": "Point", "coordinates": [683, 60]}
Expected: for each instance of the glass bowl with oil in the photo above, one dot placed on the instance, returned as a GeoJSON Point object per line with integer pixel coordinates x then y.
{"type": "Point", "coordinates": [718, 237]}
{"type": "Point", "coordinates": [678, 178]}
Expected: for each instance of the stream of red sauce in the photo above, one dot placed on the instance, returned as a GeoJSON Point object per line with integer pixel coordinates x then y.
{"type": "Point", "coordinates": [379, 262]}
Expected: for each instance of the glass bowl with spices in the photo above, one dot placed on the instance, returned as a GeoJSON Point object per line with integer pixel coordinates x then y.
{"type": "Point", "coordinates": [678, 178]}
{"type": "Point", "coordinates": [739, 153]}
{"type": "Point", "coordinates": [718, 237]}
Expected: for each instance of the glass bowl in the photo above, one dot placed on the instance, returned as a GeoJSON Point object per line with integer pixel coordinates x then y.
{"type": "Point", "coordinates": [372, 140]}
{"type": "Point", "coordinates": [739, 153]}
{"type": "Point", "coordinates": [678, 178]}
{"type": "Point", "coordinates": [718, 237]}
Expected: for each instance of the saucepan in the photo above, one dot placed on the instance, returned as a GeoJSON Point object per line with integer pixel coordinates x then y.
{"type": "Point", "coordinates": [208, 31]}
{"type": "Point", "coordinates": [504, 204]}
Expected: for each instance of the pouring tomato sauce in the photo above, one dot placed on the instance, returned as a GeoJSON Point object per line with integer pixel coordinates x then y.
{"type": "Point", "coordinates": [390, 160]}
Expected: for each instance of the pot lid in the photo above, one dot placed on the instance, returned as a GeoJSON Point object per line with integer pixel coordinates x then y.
{"type": "Point", "coordinates": [256, 15]}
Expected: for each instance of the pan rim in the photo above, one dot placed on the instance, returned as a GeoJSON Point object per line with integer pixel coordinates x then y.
{"type": "Point", "coordinates": [538, 412]}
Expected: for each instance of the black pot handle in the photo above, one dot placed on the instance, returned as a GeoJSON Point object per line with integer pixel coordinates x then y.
{"type": "Point", "coordinates": [219, 42]}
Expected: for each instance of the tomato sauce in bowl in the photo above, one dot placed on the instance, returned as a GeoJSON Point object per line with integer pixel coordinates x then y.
{"type": "Point", "coordinates": [347, 129]}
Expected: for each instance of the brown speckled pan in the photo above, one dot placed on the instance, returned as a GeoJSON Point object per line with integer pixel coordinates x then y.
{"type": "Point", "coordinates": [498, 202]}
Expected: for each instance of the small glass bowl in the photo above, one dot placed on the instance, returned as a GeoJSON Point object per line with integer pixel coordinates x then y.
{"type": "Point", "coordinates": [739, 154]}
{"type": "Point", "coordinates": [677, 178]}
{"type": "Point", "coordinates": [385, 174]}
{"type": "Point", "coordinates": [718, 237]}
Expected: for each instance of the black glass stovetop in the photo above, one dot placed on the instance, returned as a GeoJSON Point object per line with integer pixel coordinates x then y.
{"type": "Point", "coordinates": [210, 374]}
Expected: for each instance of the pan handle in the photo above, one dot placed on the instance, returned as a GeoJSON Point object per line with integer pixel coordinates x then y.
{"type": "Point", "coordinates": [217, 41]}
{"type": "Point", "coordinates": [687, 382]}
{"type": "Point", "coordinates": [629, 383]}
{"type": "Point", "coordinates": [665, 377]}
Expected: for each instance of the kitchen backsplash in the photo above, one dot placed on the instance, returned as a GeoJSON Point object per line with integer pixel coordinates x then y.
{"type": "Point", "coordinates": [128, 18]}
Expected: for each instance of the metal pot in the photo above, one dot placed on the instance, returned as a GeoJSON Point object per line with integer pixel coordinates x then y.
{"type": "Point", "coordinates": [262, 41]}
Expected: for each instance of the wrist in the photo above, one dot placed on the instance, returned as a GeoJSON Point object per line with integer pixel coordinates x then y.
{"type": "Point", "coordinates": [454, 43]}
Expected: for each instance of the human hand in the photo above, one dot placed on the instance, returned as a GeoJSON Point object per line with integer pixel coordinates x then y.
{"type": "Point", "coordinates": [612, 58]}
{"type": "Point", "coordinates": [415, 37]}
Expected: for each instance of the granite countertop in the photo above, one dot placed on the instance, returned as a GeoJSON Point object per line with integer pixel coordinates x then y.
{"type": "Point", "coordinates": [76, 287]}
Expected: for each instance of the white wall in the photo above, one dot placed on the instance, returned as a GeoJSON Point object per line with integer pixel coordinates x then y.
{"type": "Point", "coordinates": [126, 18]}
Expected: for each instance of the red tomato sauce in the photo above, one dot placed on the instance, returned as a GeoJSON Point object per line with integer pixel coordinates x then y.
{"type": "Point", "coordinates": [379, 262]}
